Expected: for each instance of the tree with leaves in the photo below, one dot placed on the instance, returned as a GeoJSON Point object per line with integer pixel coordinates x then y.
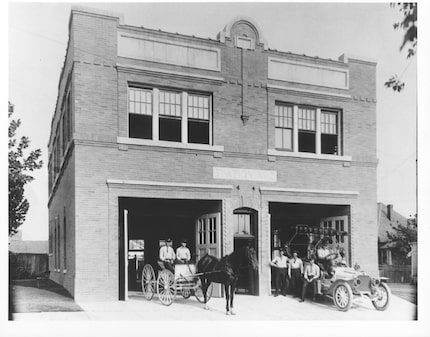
{"type": "Point", "coordinates": [404, 235]}
{"type": "Point", "coordinates": [409, 26]}
{"type": "Point", "coordinates": [20, 164]}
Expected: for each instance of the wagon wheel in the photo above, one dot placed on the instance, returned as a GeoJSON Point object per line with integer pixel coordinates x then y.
{"type": "Point", "coordinates": [182, 286]}
{"type": "Point", "coordinates": [166, 287]}
{"type": "Point", "coordinates": [198, 292]}
{"type": "Point", "coordinates": [382, 300]}
{"type": "Point", "coordinates": [148, 282]}
{"type": "Point", "coordinates": [342, 296]}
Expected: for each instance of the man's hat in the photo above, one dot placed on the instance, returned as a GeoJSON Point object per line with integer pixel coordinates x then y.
{"type": "Point", "coordinates": [184, 241]}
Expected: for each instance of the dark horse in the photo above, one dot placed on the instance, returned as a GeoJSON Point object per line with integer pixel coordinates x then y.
{"type": "Point", "coordinates": [226, 272]}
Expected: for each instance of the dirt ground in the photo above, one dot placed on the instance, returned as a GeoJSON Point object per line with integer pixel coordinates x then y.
{"type": "Point", "coordinates": [44, 296]}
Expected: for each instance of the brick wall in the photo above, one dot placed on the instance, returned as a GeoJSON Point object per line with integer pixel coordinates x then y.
{"type": "Point", "coordinates": [100, 114]}
{"type": "Point", "coordinates": [62, 203]}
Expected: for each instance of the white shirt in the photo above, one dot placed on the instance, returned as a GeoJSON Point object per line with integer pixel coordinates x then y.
{"type": "Point", "coordinates": [323, 253]}
{"type": "Point", "coordinates": [167, 253]}
{"type": "Point", "coordinates": [296, 264]}
{"type": "Point", "coordinates": [183, 253]}
{"type": "Point", "coordinates": [312, 270]}
{"type": "Point", "coordinates": [280, 261]}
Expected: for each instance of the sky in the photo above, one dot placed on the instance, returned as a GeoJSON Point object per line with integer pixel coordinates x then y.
{"type": "Point", "coordinates": [37, 41]}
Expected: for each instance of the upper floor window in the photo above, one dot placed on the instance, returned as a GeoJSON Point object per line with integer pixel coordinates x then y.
{"type": "Point", "coordinates": [329, 132]}
{"type": "Point", "coordinates": [307, 129]}
{"type": "Point", "coordinates": [140, 113]}
{"type": "Point", "coordinates": [198, 119]}
{"type": "Point", "coordinates": [169, 115]}
{"type": "Point", "coordinates": [284, 127]}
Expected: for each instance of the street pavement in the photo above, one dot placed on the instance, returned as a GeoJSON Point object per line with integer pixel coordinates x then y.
{"type": "Point", "coordinates": [404, 290]}
{"type": "Point", "coordinates": [247, 308]}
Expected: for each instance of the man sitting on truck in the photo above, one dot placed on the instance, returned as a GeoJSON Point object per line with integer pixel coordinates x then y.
{"type": "Point", "coordinates": [326, 256]}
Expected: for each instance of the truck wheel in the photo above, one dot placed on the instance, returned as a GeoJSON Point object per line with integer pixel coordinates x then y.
{"type": "Point", "coordinates": [382, 299]}
{"type": "Point", "coordinates": [342, 296]}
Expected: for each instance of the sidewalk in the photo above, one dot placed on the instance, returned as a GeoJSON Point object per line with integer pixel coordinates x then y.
{"type": "Point", "coordinates": [248, 308]}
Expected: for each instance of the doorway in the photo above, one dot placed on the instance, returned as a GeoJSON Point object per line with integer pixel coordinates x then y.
{"type": "Point", "coordinates": [145, 224]}
{"type": "Point", "coordinates": [245, 229]}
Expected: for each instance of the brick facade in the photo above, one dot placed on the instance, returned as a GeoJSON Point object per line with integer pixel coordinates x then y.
{"type": "Point", "coordinates": [100, 167]}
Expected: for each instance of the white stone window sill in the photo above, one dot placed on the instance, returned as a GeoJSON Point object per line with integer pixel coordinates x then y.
{"type": "Point", "coordinates": [161, 143]}
{"type": "Point", "coordinates": [273, 152]}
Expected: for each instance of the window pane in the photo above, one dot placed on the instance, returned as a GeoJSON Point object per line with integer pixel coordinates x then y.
{"type": "Point", "coordinates": [306, 119]}
{"type": "Point", "coordinates": [287, 139]}
{"type": "Point", "coordinates": [329, 122]}
{"type": "Point", "coordinates": [198, 107]}
{"type": "Point", "coordinates": [170, 129]}
{"type": "Point", "coordinates": [140, 101]}
{"type": "Point", "coordinates": [306, 141]}
{"type": "Point", "coordinates": [329, 144]}
{"type": "Point", "coordinates": [170, 104]}
{"type": "Point", "coordinates": [278, 138]}
{"type": "Point", "coordinates": [198, 131]}
{"type": "Point", "coordinates": [140, 126]}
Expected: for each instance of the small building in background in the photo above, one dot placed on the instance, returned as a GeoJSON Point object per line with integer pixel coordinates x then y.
{"type": "Point", "coordinates": [27, 258]}
{"type": "Point", "coordinates": [394, 262]}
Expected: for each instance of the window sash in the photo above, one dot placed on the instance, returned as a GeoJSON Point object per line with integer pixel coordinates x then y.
{"type": "Point", "coordinates": [284, 116]}
{"type": "Point", "coordinates": [307, 119]}
{"type": "Point", "coordinates": [198, 107]}
{"type": "Point", "coordinates": [329, 123]}
{"type": "Point", "coordinates": [243, 224]}
{"type": "Point", "coordinates": [140, 101]}
{"type": "Point", "coordinates": [170, 103]}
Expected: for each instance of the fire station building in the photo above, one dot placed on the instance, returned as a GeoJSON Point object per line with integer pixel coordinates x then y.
{"type": "Point", "coordinates": [220, 141]}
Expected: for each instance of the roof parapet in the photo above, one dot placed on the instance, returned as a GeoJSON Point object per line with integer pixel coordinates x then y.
{"type": "Point", "coordinates": [348, 57]}
{"type": "Point", "coordinates": [100, 12]}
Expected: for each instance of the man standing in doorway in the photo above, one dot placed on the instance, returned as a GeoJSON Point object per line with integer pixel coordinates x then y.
{"type": "Point", "coordinates": [312, 273]}
{"type": "Point", "coordinates": [167, 256]}
{"type": "Point", "coordinates": [296, 273]}
{"type": "Point", "coordinates": [280, 264]}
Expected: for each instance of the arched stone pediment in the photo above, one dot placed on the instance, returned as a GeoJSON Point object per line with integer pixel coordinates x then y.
{"type": "Point", "coordinates": [242, 27]}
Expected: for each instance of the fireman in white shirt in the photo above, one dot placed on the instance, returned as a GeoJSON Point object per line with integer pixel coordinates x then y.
{"type": "Point", "coordinates": [312, 273]}
{"type": "Point", "coordinates": [296, 273]}
{"type": "Point", "coordinates": [167, 256]}
{"type": "Point", "coordinates": [183, 254]}
{"type": "Point", "coordinates": [281, 267]}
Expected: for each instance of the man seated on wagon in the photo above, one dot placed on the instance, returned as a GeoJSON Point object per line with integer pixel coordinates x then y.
{"type": "Point", "coordinates": [167, 256]}
{"type": "Point", "coordinates": [183, 254]}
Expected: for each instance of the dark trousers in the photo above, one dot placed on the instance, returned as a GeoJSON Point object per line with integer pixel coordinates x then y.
{"type": "Point", "coordinates": [166, 265]}
{"type": "Point", "coordinates": [296, 281]}
{"type": "Point", "coordinates": [305, 285]}
{"type": "Point", "coordinates": [327, 265]}
{"type": "Point", "coordinates": [281, 280]}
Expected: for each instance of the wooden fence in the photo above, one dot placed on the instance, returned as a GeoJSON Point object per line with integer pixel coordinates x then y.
{"type": "Point", "coordinates": [396, 273]}
{"type": "Point", "coordinates": [24, 265]}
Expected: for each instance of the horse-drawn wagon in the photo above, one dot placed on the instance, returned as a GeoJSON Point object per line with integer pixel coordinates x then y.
{"type": "Point", "coordinates": [197, 280]}
{"type": "Point", "coordinates": [167, 285]}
